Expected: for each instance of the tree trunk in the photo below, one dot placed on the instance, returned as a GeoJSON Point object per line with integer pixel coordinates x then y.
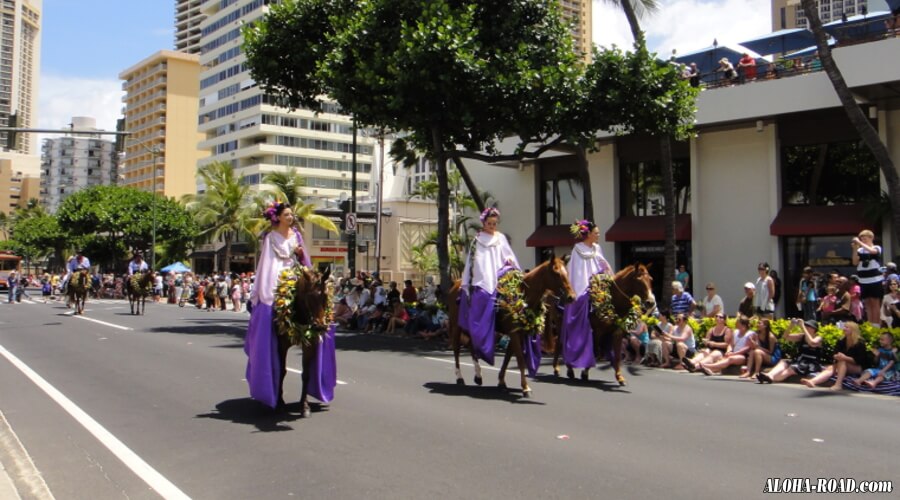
{"type": "Point", "coordinates": [665, 148]}
{"type": "Point", "coordinates": [584, 171]}
{"type": "Point", "coordinates": [628, 9]}
{"type": "Point", "coordinates": [857, 118]}
{"type": "Point", "coordinates": [443, 250]}
{"type": "Point", "coordinates": [470, 184]}
{"type": "Point", "coordinates": [227, 267]}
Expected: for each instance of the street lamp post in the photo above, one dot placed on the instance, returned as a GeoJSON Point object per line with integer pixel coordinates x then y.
{"type": "Point", "coordinates": [155, 151]}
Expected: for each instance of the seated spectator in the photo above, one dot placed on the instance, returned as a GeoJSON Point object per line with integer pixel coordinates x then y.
{"type": "Point", "coordinates": [409, 295]}
{"type": "Point", "coordinates": [427, 294]}
{"type": "Point", "coordinates": [392, 294]}
{"type": "Point", "coordinates": [849, 358]}
{"type": "Point", "coordinates": [839, 301]}
{"type": "Point", "coordinates": [745, 308]}
{"type": "Point", "coordinates": [809, 358]}
{"type": "Point", "coordinates": [342, 313]}
{"type": "Point", "coordinates": [377, 320]}
{"type": "Point", "coordinates": [736, 353]}
{"type": "Point", "coordinates": [716, 342]}
{"type": "Point", "coordinates": [636, 342]}
{"type": "Point", "coordinates": [398, 317]}
{"type": "Point", "coordinates": [890, 314]}
{"type": "Point", "coordinates": [766, 350]}
{"type": "Point", "coordinates": [712, 304]}
{"type": "Point", "coordinates": [680, 342]}
{"type": "Point", "coordinates": [886, 358]}
{"type": "Point", "coordinates": [682, 302]}
{"type": "Point", "coordinates": [656, 354]}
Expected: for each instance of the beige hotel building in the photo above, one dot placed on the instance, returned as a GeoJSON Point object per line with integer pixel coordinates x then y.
{"type": "Point", "coordinates": [160, 111]}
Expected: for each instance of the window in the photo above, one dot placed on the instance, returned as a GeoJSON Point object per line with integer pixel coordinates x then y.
{"type": "Point", "coordinates": [319, 233]}
{"type": "Point", "coordinates": [640, 177]}
{"type": "Point", "coordinates": [837, 173]}
{"type": "Point", "coordinates": [562, 195]}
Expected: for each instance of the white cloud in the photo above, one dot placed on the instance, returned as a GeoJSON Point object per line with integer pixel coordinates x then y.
{"type": "Point", "coordinates": [685, 25]}
{"type": "Point", "coordinates": [60, 98]}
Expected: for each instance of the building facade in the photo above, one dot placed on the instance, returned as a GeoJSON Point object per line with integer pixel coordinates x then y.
{"type": "Point", "coordinates": [161, 105]}
{"type": "Point", "coordinates": [188, 17]}
{"type": "Point", "coordinates": [20, 51]}
{"type": "Point", "coordinates": [788, 14]}
{"type": "Point", "coordinates": [578, 14]}
{"type": "Point", "coordinates": [73, 163]}
{"type": "Point", "coordinates": [19, 180]}
{"type": "Point", "coordinates": [774, 174]}
{"type": "Point", "coordinates": [244, 127]}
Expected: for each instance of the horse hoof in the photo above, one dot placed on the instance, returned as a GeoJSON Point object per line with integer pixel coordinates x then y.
{"type": "Point", "coordinates": [556, 372]}
{"type": "Point", "coordinates": [621, 380]}
{"type": "Point", "coordinates": [460, 381]}
{"type": "Point", "coordinates": [526, 393]}
{"type": "Point", "coordinates": [502, 386]}
{"type": "Point", "coordinates": [584, 376]}
{"type": "Point", "coordinates": [478, 380]}
{"type": "Point", "coordinates": [306, 412]}
{"type": "Point", "coordinates": [570, 373]}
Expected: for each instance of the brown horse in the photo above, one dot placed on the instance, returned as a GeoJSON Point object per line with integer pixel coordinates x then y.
{"type": "Point", "coordinates": [140, 285]}
{"type": "Point", "coordinates": [77, 289]}
{"type": "Point", "coordinates": [632, 281]}
{"type": "Point", "coordinates": [548, 278]}
{"type": "Point", "coordinates": [312, 295]}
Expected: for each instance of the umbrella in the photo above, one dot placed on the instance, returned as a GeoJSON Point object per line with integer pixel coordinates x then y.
{"type": "Point", "coordinates": [808, 51]}
{"type": "Point", "coordinates": [858, 27]}
{"type": "Point", "coordinates": [781, 41]}
{"type": "Point", "coordinates": [177, 267]}
{"type": "Point", "coordinates": [708, 59]}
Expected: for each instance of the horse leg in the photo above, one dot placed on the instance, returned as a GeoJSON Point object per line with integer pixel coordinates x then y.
{"type": "Point", "coordinates": [501, 378]}
{"type": "Point", "coordinates": [309, 352]}
{"type": "Point", "coordinates": [284, 344]}
{"type": "Point", "coordinates": [478, 378]}
{"type": "Point", "coordinates": [455, 343]}
{"type": "Point", "coordinates": [516, 341]}
{"type": "Point", "coordinates": [616, 354]}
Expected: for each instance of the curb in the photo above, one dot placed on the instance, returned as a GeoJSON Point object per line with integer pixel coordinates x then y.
{"type": "Point", "coordinates": [17, 471]}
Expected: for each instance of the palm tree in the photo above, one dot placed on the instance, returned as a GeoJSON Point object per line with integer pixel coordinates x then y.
{"type": "Point", "coordinates": [223, 210]}
{"type": "Point", "coordinates": [5, 224]}
{"type": "Point", "coordinates": [287, 186]}
{"type": "Point", "coordinates": [857, 118]}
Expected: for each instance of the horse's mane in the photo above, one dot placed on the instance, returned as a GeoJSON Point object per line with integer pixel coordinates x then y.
{"type": "Point", "coordinates": [626, 271]}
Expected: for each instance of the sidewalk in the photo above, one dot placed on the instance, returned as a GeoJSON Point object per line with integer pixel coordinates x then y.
{"type": "Point", "coordinates": [17, 472]}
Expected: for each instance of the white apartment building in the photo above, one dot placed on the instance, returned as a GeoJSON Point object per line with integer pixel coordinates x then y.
{"type": "Point", "coordinates": [20, 54]}
{"type": "Point", "coordinates": [245, 128]}
{"type": "Point", "coordinates": [788, 14]}
{"type": "Point", "coordinates": [72, 163]}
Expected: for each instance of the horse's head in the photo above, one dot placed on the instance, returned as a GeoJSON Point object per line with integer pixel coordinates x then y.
{"type": "Point", "coordinates": [635, 280]}
{"type": "Point", "coordinates": [314, 291]}
{"type": "Point", "coordinates": [555, 279]}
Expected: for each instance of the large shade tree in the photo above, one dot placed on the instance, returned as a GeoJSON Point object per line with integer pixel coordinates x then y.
{"type": "Point", "coordinates": [457, 76]}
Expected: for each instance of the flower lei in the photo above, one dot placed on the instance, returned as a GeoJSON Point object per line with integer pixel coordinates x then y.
{"type": "Point", "coordinates": [602, 305]}
{"type": "Point", "coordinates": [287, 309]}
{"type": "Point", "coordinates": [135, 284]}
{"type": "Point", "coordinates": [580, 228]}
{"type": "Point", "coordinates": [511, 298]}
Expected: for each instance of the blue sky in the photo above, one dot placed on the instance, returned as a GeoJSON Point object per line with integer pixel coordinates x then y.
{"type": "Point", "coordinates": [100, 38]}
{"type": "Point", "coordinates": [87, 43]}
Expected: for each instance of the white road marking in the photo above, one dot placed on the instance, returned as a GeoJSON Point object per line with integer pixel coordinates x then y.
{"type": "Point", "coordinates": [339, 382]}
{"type": "Point", "coordinates": [154, 479]}
{"type": "Point", "coordinates": [486, 367]}
{"type": "Point", "coordinates": [72, 313]}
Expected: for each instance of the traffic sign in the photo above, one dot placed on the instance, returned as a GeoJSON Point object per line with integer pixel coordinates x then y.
{"type": "Point", "coordinates": [350, 223]}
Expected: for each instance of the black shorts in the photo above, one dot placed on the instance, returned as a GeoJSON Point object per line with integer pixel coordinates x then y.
{"type": "Point", "coordinates": [871, 290]}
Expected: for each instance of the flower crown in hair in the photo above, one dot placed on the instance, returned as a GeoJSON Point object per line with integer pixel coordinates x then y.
{"type": "Point", "coordinates": [271, 211]}
{"type": "Point", "coordinates": [581, 228]}
{"type": "Point", "coordinates": [489, 212]}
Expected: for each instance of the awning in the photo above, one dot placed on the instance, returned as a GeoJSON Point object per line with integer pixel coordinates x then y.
{"type": "Point", "coordinates": [551, 236]}
{"type": "Point", "coordinates": [648, 228]}
{"type": "Point", "coordinates": [819, 220]}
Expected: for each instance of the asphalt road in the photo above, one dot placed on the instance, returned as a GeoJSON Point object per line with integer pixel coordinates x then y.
{"type": "Point", "coordinates": [167, 394]}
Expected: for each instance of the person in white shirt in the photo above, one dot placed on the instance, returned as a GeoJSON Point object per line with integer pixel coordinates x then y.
{"type": "Point", "coordinates": [137, 264]}
{"type": "Point", "coordinates": [711, 304]}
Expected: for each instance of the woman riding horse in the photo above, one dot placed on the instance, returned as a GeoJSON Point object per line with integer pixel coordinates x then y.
{"type": "Point", "coordinates": [282, 247]}
{"type": "Point", "coordinates": [576, 335]}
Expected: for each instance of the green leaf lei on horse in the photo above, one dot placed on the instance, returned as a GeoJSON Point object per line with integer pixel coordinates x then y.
{"type": "Point", "coordinates": [288, 319]}
{"type": "Point", "coordinates": [134, 282]}
{"type": "Point", "coordinates": [602, 303]}
{"type": "Point", "coordinates": [511, 299]}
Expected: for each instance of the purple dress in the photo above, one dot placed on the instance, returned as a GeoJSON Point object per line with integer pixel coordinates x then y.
{"type": "Point", "coordinates": [261, 343]}
{"type": "Point", "coordinates": [577, 335]}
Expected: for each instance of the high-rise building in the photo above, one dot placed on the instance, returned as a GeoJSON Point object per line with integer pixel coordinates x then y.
{"type": "Point", "coordinates": [244, 127]}
{"type": "Point", "coordinates": [20, 49]}
{"type": "Point", "coordinates": [19, 180]}
{"type": "Point", "coordinates": [789, 13]}
{"type": "Point", "coordinates": [578, 14]}
{"type": "Point", "coordinates": [72, 163]}
{"type": "Point", "coordinates": [161, 105]}
{"type": "Point", "coordinates": [187, 24]}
